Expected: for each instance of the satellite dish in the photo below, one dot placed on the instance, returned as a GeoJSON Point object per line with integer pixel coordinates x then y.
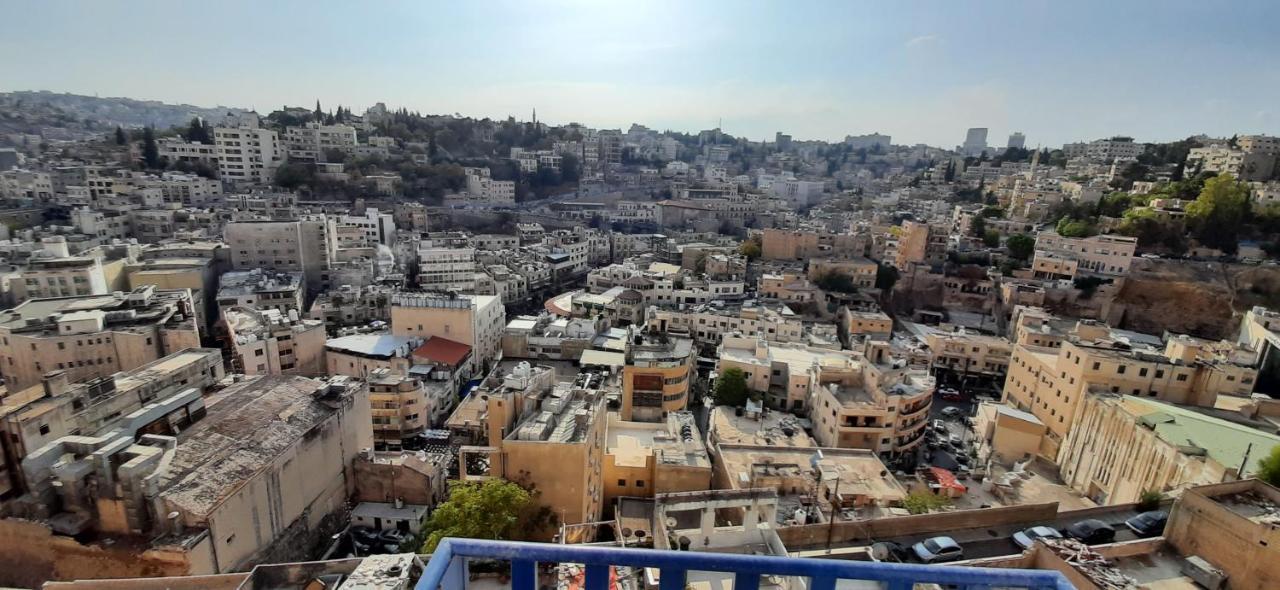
{"type": "Point", "coordinates": [626, 532]}
{"type": "Point", "coordinates": [671, 522]}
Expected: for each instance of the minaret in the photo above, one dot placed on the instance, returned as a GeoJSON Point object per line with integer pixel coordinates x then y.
{"type": "Point", "coordinates": [535, 117]}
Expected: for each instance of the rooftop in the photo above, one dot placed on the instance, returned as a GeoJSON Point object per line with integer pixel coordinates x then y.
{"type": "Point", "coordinates": [860, 473]}
{"type": "Point", "coordinates": [767, 429]}
{"type": "Point", "coordinates": [144, 306]}
{"type": "Point", "coordinates": [248, 425]}
{"type": "Point", "coordinates": [1195, 432]}
{"type": "Point", "coordinates": [383, 346]}
{"type": "Point", "coordinates": [234, 284]}
{"type": "Point", "coordinates": [674, 442]}
{"type": "Point", "coordinates": [443, 351]}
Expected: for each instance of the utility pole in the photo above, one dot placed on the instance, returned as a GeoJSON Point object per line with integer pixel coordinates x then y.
{"type": "Point", "coordinates": [831, 525]}
{"type": "Point", "coordinates": [1244, 462]}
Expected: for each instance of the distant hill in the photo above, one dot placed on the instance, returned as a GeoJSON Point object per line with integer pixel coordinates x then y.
{"type": "Point", "coordinates": [92, 112]}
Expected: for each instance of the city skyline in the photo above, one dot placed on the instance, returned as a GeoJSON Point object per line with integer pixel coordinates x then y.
{"type": "Point", "coordinates": [1050, 72]}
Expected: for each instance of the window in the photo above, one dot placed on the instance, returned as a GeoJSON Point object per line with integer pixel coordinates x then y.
{"type": "Point", "coordinates": [1142, 372]}
{"type": "Point", "coordinates": [1120, 369]}
{"type": "Point", "coordinates": [1159, 373]}
{"type": "Point", "coordinates": [622, 483]}
{"type": "Point", "coordinates": [639, 483]}
{"type": "Point", "coordinates": [1182, 377]}
{"type": "Point", "coordinates": [1097, 366]}
{"type": "Point", "coordinates": [44, 429]}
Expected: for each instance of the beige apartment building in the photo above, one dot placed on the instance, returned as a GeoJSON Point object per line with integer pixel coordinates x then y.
{"type": "Point", "coordinates": [922, 243]}
{"type": "Point", "coordinates": [38, 415]}
{"type": "Point", "coordinates": [261, 469]}
{"type": "Point", "coordinates": [1058, 257]}
{"type": "Point", "coordinates": [399, 409]}
{"type": "Point", "coordinates": [474, 320]}
{"type": "Point", "coordinates": [860, 270]}
{"type": "Point", "coordinates": [782, 244]}
{"type": "Point", "coordinates": [1051, 383]}
{"type": "Point", "coordinates": [94, 336]}
{"type": "Point", "coordinates": [1124, 445]}
{"type": "Point", "coordinates": [871, 403]}
{"type": "Point", "coordinates": [788, 287]}
{"type": "Point", "coordinates": [656, 377]}
{"type": "Point", "coordinates": [857, 323]}
{"type": "Point", "coordinates": [707, 324]}
{"type": "Point", "coordinates": [285, 246]}
{"type": "Point", "coordinates": [643, 459]}
{"type": "Point", "coordinates": [63, 276]}
{"type": "Point", "coordinates": [270, 342]}
{"type": "Point", "coordinates": [194, 274]}
{"type": "Point", "coordinates": [969, 354]}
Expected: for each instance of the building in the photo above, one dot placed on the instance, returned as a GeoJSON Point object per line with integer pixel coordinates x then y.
{"type": "Point", "coordinates": [260, 468]}
{"type": "Point", "coordinates": [247, 155]}
{"type": "Point", "coordinates": [922, 243]}
{"type": "Point", "coordinates": [1124, 445]}
{"type": "Point", "coordinates": [1052, 383]}
{"type": "Point", "coordinates": [548, 337]}
{"type": "Point", "coordinates": [94, 336]}
{"type": "Point", "coordinates": [262, 290]}
{"type": "Point", "coordinates": [400, 410]}
{"type": "Point", "coordinates": [860, 271]}
{"type": "Point", "coordinates": [33, 417]}
{"type": "Point", "coordinates": [61, 276]}
{"type": "Point", "coordinates": [1058, 257]}
{"type": "Point", "coordinates": [179, 150]}
{"type": "Point", "coordinates": [643, 459]}
{"type": "Point", "coordinates": [288, 246]}
{"type": "Point", "coordinates": [975, 141]}
{"type": "Point", "coordinates": [1016, 141]}
{"type": "Point", "coordinates": [361, 355]}
{"type": "Point", "coordinates": [656, 378]}
{"type": "Point", "coordinates": [1240, 163]}
{"type": "Point", "coordinates": [708, 323]}
{"type": "Point", "coordinates": [970, 355]}
{"type": "Point", "coordinates": [313, 141]}
{"type": "Point", "coordinates": [273, 342]}
{"type": "Point", "coordinates": [869, 142]}
{"type": "Point", "coordinates": [839, 478]}
{"type": "Point", "coordinates": [445, 268]}
{"type": "Point", "coordinates": [483, 188]}
{"type": "Point", "coordinates": [474, 320]}
{"type": "Point", "coordinates": [874, 403]}
{"type": "Point", "coordinates": [781, 244]}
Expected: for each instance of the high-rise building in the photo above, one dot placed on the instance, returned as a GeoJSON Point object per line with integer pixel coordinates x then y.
{"type": "Point", "coordinates": [975, 141]}
{"type": "Point", "coordinates": [1017, 140]}
{"type": "Point", "coordinates": [290, 246]}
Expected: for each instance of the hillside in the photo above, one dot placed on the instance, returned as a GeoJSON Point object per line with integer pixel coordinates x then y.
{"type": "Point", "coordinates": [49, 109]}
{"type": "Point", "coordinates": [1204, 299]}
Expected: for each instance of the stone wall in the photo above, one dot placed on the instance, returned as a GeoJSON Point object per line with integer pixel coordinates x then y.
{"type": "Point", "coordinates": [30, 555]}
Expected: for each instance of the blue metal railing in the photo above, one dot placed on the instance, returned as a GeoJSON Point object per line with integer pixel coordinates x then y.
{"type": "Point", "coordinates": [447, 568]}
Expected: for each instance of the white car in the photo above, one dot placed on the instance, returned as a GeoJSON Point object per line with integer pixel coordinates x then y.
{"type": "Point", "coordinates": [1025, 539]}
{"type": "Point", "coordinates": [938, 550]}
{"type": "Point", "coordinates": [951, 411]}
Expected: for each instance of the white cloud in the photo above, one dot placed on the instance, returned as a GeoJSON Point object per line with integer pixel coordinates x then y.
{"type": "Point", "coordinates": [923, 40]}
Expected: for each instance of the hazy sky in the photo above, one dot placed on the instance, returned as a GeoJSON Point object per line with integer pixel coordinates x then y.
{"type": "Point", "coordinates": [920, 71]}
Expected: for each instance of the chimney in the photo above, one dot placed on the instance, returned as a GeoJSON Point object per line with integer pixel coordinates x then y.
{"type": "Point", "coordinates": [55, 383]}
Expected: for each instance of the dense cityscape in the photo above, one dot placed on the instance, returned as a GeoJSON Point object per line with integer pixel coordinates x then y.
{"type": "Point", "coordinates": [328, 346]}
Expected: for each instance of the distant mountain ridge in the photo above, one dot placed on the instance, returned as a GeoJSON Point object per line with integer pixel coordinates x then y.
{"type": "Point", "coordinates": [109, 112]}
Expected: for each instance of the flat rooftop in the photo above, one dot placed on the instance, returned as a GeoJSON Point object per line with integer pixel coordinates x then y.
{"type": "Point", "coordinates": [248, 425]}
{"type": "Point", "coordinates": [632, 443]}
{"type": "Point", "coordinates": [859, 472]}
{"type": "Point", "coordinates": [772, 429]}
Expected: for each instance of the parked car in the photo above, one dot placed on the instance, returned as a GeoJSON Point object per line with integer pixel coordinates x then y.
{"type": "Point", "coordinates": [1092, 532]}
{"type": "Point", "coordinates": [938, 550]}
{"type": "Point", "coordinates": [889, 551]}
{"type": "Point", "coordinates": [952, 396]}
{"type": "Point", "coordinates": [951, 411]}
{"type": "Point", "coordinates": [939, 426]}
{"type": "Point", "coordinates": [1025, 539]}
{"type": "Point", "coordinates": [955, 441]}
{"type": "Point", "coordinates": [1148, 524]}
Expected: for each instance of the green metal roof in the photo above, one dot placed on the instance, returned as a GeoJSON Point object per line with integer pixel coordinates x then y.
{"type": "Point", "coordinates": [1197, 433]}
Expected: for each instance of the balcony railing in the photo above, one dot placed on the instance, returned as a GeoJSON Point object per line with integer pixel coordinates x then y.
{"type": "Point", "coordinates": [448, 568]}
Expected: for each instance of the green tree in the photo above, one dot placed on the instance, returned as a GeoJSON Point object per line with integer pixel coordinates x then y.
{"type": "Point", "coordinates": [835, 281]}
{"type": "Point", "coordinates": [121, 138]}
{"type": "Point", "coordinates": [1269, 467]}
{"type": "Point", "coordinates": [570, 168]}
{"type": "Point", "coordinates": [886, 276]}
{"type": "Point", "coordinates": [1075, 228]}
{"type": "Point", "coordinates": [978, 226]}
{"type": "Point", "coordinates": [1219, 212]}
{"type": "Point", "coordinates": [991, 238]}
{"type": "Point", "coordinates": [318, 115]}
{"type": "Point", "coordinates": [150, 152]}
{"type": "Point", "coordinates": [731, 388]}
{"type": "Point", "coordinates": [750, 249]}
{"type": "Point", "coordinates": [494, 509]}
{"type": "Point", "coordinates": [197, 131]}
{"type": "Point", "coordinates": [1021, 246]}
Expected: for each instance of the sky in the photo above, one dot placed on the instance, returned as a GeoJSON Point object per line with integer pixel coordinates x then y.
{"type": "Point", "coordinates": [920, 71]}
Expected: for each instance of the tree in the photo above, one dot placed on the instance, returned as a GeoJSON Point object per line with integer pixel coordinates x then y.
{"type": "Point", "coordinates": [750, 249]}
{"type": "Point", "coordinates": [1021, 246]}
{"type": "Point", "coordinates": [198, 132]}
{"type": "Point", "coordinates": [318, 115]}
{"type": "Point", "coordinates": [432, 147]}
{"type": "Point", "coordinates": [494, 509]}
{"type": "Point", "coordinates": [731, 388]}
{"type": "Point", "coordinates": [570, 168]}
{"type": "Point", "coordinates": [1075, 228]}
{"type": "Point", "coordinates": [991, 238]}
{"type": "Point", "coordinates": [1217, 215]}
{"type": "Point", "coordinates": [150, 152]}
{"type": "Point", "coordinates": [886, 276]}
{"type": "Point", "coordinates": [978, 226]}
{"type": "Point", "coordinates": [835, 281]}
{"type": "Point", "coordinates": [950, 173]}
{"type": "Point", "coordinates": [1269, 467]}
{"type": "Point", "coordinates": [121, 138]}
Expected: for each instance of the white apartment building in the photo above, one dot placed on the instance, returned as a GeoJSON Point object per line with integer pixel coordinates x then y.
{"type": "Point", "coordinates": [180, 150]}
{"type": "Point", "coordinates": [26, 184]}
{"type": "Point", "coordinates": [1058, 257]}
{"type": "Point", "coordinates": [482, 187]}
{"type": "Point", "coordinates": [185, 189]}
{"type": "Point", "coordinates": [247, 155]}
{"type": "Point", "coordinates": [443, 268]}
{"type": "Point", "coordinates": [293, 246]}
{"type": "Point", "coordinates": [1244, 165]}
{"type": "Point", "coordinates": [311, 141]}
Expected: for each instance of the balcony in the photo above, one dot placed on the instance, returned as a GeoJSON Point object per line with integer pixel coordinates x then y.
{"type": "Point", "coordinates": [448, 568]}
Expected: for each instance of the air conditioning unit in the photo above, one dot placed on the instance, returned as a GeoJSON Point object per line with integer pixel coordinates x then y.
{"type": "Point", "coordinates": [1204, 573]}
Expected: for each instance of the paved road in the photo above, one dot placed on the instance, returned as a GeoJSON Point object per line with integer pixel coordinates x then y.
{"type": "Point", "coordinates": [996, 542]}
